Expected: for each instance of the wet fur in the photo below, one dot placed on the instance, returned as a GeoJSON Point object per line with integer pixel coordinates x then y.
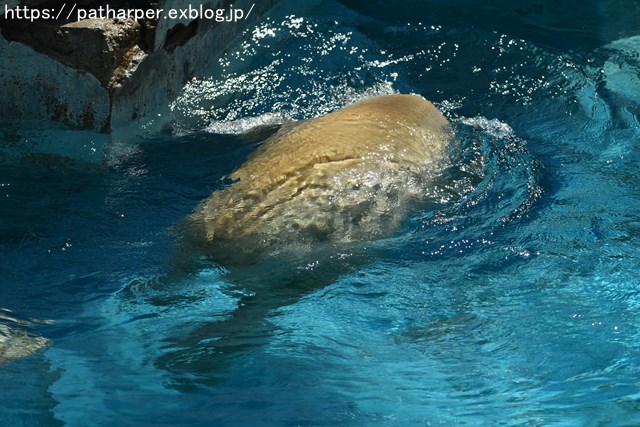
{"type": "Point", "coordinates": [304, 208]}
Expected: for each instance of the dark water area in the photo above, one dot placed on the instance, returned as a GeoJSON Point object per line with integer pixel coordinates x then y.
{"type": "Point", "coordinates": [511, 299]}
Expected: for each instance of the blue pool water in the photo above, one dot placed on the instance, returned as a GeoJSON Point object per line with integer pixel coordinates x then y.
{"type": "Point", "coordinates": [512, 299]}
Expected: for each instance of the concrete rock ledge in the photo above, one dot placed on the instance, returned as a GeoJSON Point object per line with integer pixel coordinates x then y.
{"type": "Point", "coordinates": [73, 87]}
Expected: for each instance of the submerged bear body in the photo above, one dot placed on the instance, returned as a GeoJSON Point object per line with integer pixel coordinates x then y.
{"type": "Point", "coordinates": [302, 211]}
{"type": "Point", "coordinates": [348, 176]}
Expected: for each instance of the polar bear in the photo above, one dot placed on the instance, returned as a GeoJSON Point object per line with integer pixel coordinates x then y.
{"type": "Point", "coordinates": [348, 176]}
{"type": "Point", "coordinates": [302, 211]}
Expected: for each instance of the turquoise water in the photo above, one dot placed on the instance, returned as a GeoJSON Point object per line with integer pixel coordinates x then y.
{"type": "Point", "coordinates": [512, 299]}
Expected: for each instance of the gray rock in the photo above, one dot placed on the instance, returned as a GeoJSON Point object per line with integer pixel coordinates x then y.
{"type": "Point", "coordinates": [108, 81]}
{"type": "Point", "coordinates": [109, 49]}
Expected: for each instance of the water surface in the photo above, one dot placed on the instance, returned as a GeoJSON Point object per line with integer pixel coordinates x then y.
{"type": "Point", "coordinates": [512, 299]}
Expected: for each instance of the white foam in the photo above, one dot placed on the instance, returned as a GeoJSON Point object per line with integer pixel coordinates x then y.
{"type": "Point", "coordinates": [240, 126]}
{"type": "Point", "coordinates": [493, 127]}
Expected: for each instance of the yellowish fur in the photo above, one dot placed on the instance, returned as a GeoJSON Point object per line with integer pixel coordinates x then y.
{"type": "Point", "coordinates": [347, 176]}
